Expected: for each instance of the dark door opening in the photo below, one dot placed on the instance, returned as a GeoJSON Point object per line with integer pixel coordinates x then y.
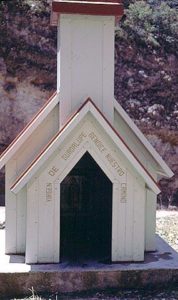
{"type": "Point", "coordinates": [86, 213]}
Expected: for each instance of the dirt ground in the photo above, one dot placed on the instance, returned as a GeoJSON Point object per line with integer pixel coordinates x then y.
{"type": "Point", "coordinates": [113, 295]}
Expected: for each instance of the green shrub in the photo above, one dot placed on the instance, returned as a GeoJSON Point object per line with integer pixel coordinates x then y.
{"type": "Point", "coordinates": [166, 23]}
{"type": "Point", "coordinates": [153, 23]}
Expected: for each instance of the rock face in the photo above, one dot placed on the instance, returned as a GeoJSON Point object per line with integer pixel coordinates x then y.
{"type": "Point", "coordinates": [146, 85]}
{"type": "Point", "coordinates": [145, 81]}
{"type": "Point", "coordinates": [27, 65]}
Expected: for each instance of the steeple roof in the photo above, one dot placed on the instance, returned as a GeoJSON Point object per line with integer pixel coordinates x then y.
{"type": "Point", "coordinates": [86, 7]}
{"type": "Point", "coordinates": [110, 8]}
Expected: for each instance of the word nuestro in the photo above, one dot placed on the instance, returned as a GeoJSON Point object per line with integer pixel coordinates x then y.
{"type": "Point", "coordinates": [99, 144]}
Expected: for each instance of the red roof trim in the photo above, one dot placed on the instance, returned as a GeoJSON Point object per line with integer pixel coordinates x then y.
{"type": "Point", "coordinates": [124, 142]}
{"type": "Point", "coordinates": [28, 125]}
{"type": "Point", "coordinates": [49, 143]}
{"type": "Point", "coordinates": [104, 8]}
{"type": "Point", "coordinates": [70, 119]}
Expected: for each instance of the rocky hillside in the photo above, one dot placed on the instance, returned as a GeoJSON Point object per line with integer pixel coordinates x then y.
{"type": "Point", "coordinates": [146, 75]}
{"type": "Point", "coordinates": [146, 84]}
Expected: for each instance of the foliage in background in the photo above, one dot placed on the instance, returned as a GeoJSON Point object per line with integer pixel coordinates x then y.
{"type": "Point", "coordinates": [36, 6]}
{"type": "Point", "coordinates": [26, 35]}
{"type": "Point", "coordinates": [152, 23]}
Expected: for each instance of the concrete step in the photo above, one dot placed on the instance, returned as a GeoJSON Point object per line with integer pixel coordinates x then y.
{"type": "Point", "coordinates": [160, 268]}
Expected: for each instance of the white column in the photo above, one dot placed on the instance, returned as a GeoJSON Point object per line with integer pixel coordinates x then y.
{"type": "Point", "coordinates": [150, 221]}
{"type": "Point", "coordinates": [85, 63]}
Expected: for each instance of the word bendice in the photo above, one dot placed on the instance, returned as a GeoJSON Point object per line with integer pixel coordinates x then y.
{"type": "Point", "coordinates": [98, 143]}
{"type": "Point", "coordinates": [114, 164]}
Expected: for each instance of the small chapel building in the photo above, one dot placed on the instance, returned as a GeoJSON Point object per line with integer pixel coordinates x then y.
{"type": "Point", "coordinates": [81, 179]}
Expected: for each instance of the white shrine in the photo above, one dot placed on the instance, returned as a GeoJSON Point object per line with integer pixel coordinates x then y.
{"type": "Point", "coordinates": [81, 179]}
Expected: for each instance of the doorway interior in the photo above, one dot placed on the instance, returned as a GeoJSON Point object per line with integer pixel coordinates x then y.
{"type": "Point", "coordinates": [85, 213]}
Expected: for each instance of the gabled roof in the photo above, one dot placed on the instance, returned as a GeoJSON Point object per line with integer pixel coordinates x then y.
{"type": "Point", "coordinates": [88, 106]}
{"type": "Point", "coordinates": [166, 171]}
{"type": "Point", "coordinates": [29, 129]}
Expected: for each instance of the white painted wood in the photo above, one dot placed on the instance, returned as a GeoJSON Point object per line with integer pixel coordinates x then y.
{"type": "Point", "coordinates": [32, 234]}
{"type": "Point", "coordinates": [139, 221]}
{"type": "Point", "coordinates": [121, 228]}
{"type": "Point", "coordinates": [46, 221]}
{"type": "Point", "coordinates": [85, 71]}
{"type": "Point", "coordinates": [11, 209]}
{"type": "Point", "coordinates": [115, 210]}
{"type": "Point", "coordinates": [142, 141]}
{"type": "Point", "coordinates": [108, 130]}
{"type": "Point", "coordinates": [29, 130]}
{"type": "Point", "coordinates": [150, 221]}
{"type": "Point", "coordinates": [64, 169]}
{"type": "Point", "coordinates": [36, 142]}
{"type": "Point", "coordinates": [118, 225]}
{"type": "Point", "coordinates": [21, 220]}
{"type": "Point", "coordinates": [64, 75]}
{"type": "Point", "coordinates": [58, 58]}
{"type": "Point", "coordinates": [78, 156]}
{"type": "Point", "coordinates": [56, 230]}
{"type": "Point", "coordinates": [108, 68]}
{"type": "Point", "coordinates": [128, 214]}
{"type": "Point", "coordinates": [87, 61]}
{"type": "Point", "coordinates": [16, 205]}
{"type": "Point", "coordinates": [125, 150]}
{"type": "Point", "coordinates": [129, 218]}
{"type": "Point", "coordinates": [46, 154]}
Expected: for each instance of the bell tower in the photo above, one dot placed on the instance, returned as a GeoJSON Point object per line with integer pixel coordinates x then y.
{"type": "Point", "coordinates": [85, 60]}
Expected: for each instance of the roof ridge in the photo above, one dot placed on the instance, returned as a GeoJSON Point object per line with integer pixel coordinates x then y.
{"type": "Point", "coordinates": [62, 129]}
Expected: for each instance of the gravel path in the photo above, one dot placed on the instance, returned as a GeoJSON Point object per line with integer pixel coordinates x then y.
{"type": "Point", "coordinates": [167, 227]}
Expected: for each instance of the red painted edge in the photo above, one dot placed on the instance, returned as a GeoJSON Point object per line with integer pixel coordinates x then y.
{"type": "Point", "coordinates": [28, 125]}
{"type": "Point", "coordinates": [49, 143]}
{"type": "Point", "coordinates": [124, 143]}
{"type": "Point", "coordinates": [86, 8]}
{"type": "Point", "coordinates": [54, 17]}
{"type": "Point", "coordinates": [69, 120]}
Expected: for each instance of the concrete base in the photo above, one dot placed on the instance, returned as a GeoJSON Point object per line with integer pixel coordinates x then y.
{"type": "Point", "coordinates": [16, 278]}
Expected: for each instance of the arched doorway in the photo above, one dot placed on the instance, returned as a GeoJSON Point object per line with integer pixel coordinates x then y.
{"type": "Point", "coordinates": [86, 213]}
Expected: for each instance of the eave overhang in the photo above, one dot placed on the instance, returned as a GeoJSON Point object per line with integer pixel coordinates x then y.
{"type": "Point", "coordinates": [28, 129]}
{"type": "Point", "coordinates": [164, 169]}
{"type": "Point", "coordinates": [88, 106]}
